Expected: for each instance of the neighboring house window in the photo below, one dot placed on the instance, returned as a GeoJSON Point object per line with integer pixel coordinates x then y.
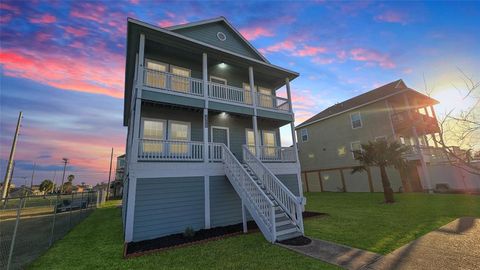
{"type": "Point", "coordinates": [304, 134]}
{"type": "Point", "coordinates": [181, 81]}
{"type": "Point", "coordinates": [218, 80]}
{"type": "Point", "coordinates": [355, 146]}
{"type": "Point", "coordinates": [356, 120]}
{"type": "Point", "coordinates": [179, 131]}
{"type": "Point", "coordinates": [155, 76]}
{"type": "Point", "coordinates": [153, 134]}
{"type": "Point", "coordinates": [402, 140]}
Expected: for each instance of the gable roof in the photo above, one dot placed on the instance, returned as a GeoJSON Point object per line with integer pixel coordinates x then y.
{"type": "Point", "coordinates": [181, 28]}
{"type": "Point", "coordinates": [377, 94]}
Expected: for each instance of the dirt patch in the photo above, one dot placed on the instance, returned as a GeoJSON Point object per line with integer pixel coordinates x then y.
{"type": "Point", "coordinates": [297, 241]}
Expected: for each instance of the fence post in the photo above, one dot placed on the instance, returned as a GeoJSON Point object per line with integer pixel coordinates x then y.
{"type": "Point", "coordinates": [53, 223]}
{"type": "Point", "coordinates": [98, 199]}
{"type": "Point", "coordinates": [81, 205]}
{"type": "Point", "coordinates": [12, 244]}
{"type": "Point", "coordinates": [70, 214]}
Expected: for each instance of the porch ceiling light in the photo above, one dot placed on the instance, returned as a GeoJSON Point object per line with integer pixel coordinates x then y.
{"type": "Point", "coordinates": [223, 115]}
{"type": "Point", "coordinates": [222, 65]}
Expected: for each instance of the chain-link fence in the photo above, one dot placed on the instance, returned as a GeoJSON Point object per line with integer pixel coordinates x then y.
{"type": "Point", "coordinates": [30, 225]}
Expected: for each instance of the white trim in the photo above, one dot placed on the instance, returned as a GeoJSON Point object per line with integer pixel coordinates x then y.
{"type": "Point", "coordinates": [165, 31]}
{"type": "Point", "coordinates": [380, 137]}
{"type": "Point", "coordinates": [206, 180]}
{"type": "Point", "coordinates": [219, 127]}
{"type": "Point", "coordinates": [351, 148]}
{"type": "Point", "coordinates": [130, 215]}
{"type": "Point", "coordinates": [218, 79]}
{"type": "Point", "coordinates": [351, 120]}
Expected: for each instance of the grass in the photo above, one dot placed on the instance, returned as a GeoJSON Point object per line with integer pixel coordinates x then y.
{"type": "Point", "coordinates": [97, 243]}
{"type": "Point", "coordinates": [361, 219]}
{"type": "Point", "coordinates": [356, 219]}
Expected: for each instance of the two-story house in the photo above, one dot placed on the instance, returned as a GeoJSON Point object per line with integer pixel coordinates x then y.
{"type": "Point", "coordinates": [203, 112]}
{"type": "Point", "coordinates": [390, 112]}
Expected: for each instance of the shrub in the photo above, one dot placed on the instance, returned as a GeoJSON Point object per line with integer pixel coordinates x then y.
{"type": "Point", "coordinates": [189, 232]}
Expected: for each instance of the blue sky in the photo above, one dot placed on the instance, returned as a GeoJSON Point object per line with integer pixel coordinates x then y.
{"type": "Point", "coordinates": [62, 63]}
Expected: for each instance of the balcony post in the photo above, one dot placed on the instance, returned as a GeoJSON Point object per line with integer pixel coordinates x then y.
{"type": "Point", "coordinates": [137, 102]}
{"type": "Point", "coordinates": [254, 102]}
{"type": "Point", "coordinates": [141, 63]}
{"type": "Point", "coordinates": [289, 95]}
{"type": "Point", "coordinates": [205, 109]}
{"type": "Point", "coordinates": [389, 109]}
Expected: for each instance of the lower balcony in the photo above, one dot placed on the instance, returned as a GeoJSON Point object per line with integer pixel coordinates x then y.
{"type": "Point", "coordinates": [193, 151]}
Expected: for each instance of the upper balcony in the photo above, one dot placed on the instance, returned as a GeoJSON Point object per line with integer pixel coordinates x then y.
{"type": "Point", "coordinates": [173, 84]}
{"type": "Point", "coordinates": [403, 121]}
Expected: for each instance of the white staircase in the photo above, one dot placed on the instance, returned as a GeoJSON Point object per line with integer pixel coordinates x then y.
{"type": "Point", "coordinates": [275, 209]}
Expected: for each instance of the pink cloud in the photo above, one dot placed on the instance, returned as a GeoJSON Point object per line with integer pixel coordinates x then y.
{"type": "Point", "coordinates": [286, 45]}
{"type": "Point", "coordinates": [372, 57]}
{"type": "Point", "coordinates": [135, 2]}
{"type": "Point", "coordinates": [78, 32]}
{"type": "Point", "coordinates": [80, 74]}
{"type": "Point", "coordinates": [393, 17]}
{"type": "Point", "coordinates": [8, 7]}
{"type": "Point", "coordinates": [310, 51]}
{"type": "Point", "coordinates": [168, 23]}
{"type": "Point", "coordinates": [252, 33]}
{"type": "Point", "coordinates": [44, 19]}
{"type": "Point", "coordinates": [42, 37]}
{"type": "Point", "coordinates": [6, 18]}
{"type": "Point", "coordinates": [322, 61]}
{"type": "Point", "coordinates": [90, 11]}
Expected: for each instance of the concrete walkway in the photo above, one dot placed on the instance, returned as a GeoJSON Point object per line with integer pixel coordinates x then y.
{"type": "Point", "coordinates": [453, 246]}
{"type": "Point", "coordinates": [340, 255]}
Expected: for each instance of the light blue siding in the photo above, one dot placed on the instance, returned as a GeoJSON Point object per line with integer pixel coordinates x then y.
{"type": "Point", "coordinates": [166, 206]}
{"type": "Point", "coordinates": [225, 204]}
{"type": "Point", "coordinates": [208, 33]}
{"type": "Point", "coordinates": [290, 181]}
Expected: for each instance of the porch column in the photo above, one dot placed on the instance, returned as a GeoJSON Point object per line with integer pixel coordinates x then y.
{"type": "Point", "coordinates": [137, 101]}
{"type": "Point", "coordinates": [294, 138]}
{"type": "Point", "coordinates": [254, 102]}
{"type": "Point", "coordinates": [205, 109]}
{"type": "Point", "coordinates": [389, 108]}
{"type": "Point", "coordinates": [426, 174]}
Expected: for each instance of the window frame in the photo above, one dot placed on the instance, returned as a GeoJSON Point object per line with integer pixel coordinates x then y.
{"type": "Point", "coordinates": [246, 136]}
{"type": "Point", "coordinates": [167, 66]}
{"type": "Point", "coordinates": [351, 120]}
{"type": "Point", "coordinates": [218, 79]}
{"type": "Point", "coordinates": [165, 123]}
{"type": "Point", "coordinates": [351, 148]}
{"type": "Point", "coordinates": [301, 135]}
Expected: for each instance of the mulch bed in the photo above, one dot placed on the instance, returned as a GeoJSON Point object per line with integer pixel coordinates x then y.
{"type": "Point", "coordinates": [134, 249]}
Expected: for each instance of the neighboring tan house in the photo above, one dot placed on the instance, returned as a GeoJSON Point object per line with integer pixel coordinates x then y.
{"type": "Point", "coordinates": [203, 144]}
{"type": "Point", "coordinates": [390, 112]}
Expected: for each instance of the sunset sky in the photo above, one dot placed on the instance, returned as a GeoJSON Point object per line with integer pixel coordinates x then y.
{"type": "Point", "coordinates": [62, 64]}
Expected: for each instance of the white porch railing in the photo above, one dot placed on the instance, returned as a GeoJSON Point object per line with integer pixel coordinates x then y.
{"type": "Point", "coordinates": [276, 154]}
{"type": "Point", "coordinates": [260, 206]}
{"type": "Point", "coordinates": [171, 82]}
{"type": "Point", "coordinates": [272, 102]}
{"type": "Point", "coordinates": [290, 203]}
{"type": "Point", "coordinates": [163, 150]}
{"type": "Point", "coordinates": [215, 151]}
{"type": "Point", "coordinates": [228, 93]}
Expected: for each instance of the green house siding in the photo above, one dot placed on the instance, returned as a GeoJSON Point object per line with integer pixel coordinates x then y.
{"type": "Point", "coordinates": [290, 181]}
{"type": "Point", "coordinates": [166, 206]}
{"type": "Point", "coordinates": [208, 33]}
{"type": "Point", "coordinates": [225, 204]}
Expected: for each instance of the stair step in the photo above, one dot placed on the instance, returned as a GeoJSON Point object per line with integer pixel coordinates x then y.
{"type": "Point", "coordinates": [283, 222]}
{"type": "Point", "coordinates": [287, 231]}
{"type": "Point", "coordinates": [289, 236]}
{"type": "Point", "coordinates": [284, 227]}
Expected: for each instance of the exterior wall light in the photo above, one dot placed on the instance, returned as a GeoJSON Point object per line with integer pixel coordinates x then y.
{"type": "Point", "coordinates": [222, 65]}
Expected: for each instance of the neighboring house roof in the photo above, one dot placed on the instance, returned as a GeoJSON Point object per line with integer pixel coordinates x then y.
{"type": "Point", "coordinates": [182, 27]}
{"type": "Point", "coordinates": [377, 94]}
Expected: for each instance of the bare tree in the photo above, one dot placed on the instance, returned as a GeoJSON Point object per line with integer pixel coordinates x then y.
{"type": "Point", "coordinates": [461, 125]}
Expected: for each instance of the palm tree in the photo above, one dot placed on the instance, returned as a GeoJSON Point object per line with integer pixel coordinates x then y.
{"type": "Point", "coordinates": [70, 178]}
{"type": "Point", "coordinates": [382, 154]}
{"type": "Point", "coordinates": [46, 186]}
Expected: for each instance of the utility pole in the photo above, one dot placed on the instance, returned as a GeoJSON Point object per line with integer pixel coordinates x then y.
{"type": "Point", "coordinates": [65, 161]}
{"type": "Point", "coordinates": [8, 173]}
{"type": "Point", "coordinates": [109, 175]}
{"type": "Point", "coordinates": [11, 178]}
{"type": "Point", "coordinates": [33, 174]}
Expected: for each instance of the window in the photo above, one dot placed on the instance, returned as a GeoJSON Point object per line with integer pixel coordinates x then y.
{"type": "Point", "coordinates": [153, 134]}
{"type": "Point", "coordinates": [265, 97]}
{"type": "Point", "coordinates": [179, 131]}
{"type": "Point", "coordinates": [155, 76]}
{"type": "Point", "coordinates": [269, 143]}
{"type": "Point", "coordinates": [304, 134]}
{"type": "Point", "coordinates": [356, 120]}
{"type": "Point", "coordinates": [248, 93]}
{"type": "Point", "coordinates": [218, 80]}
{"type": "Point", "coordinates": [181, 81]}
{"type": "Point", "coordinates": [250, 140]}
{"type": "Point", "coordinates": [355, 146]}
{"type": "Point", "coordinates": [402, 140]}
{"type": "Point", "coordinates": [221, 36]}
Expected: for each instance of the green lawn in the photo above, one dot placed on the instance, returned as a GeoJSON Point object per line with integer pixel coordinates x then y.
{"type": "Point", "coordinates": [97, 243]}
{"type": "Point", "coordinates": [355, 219]}
{"type": "Point", "coordinates": [361, 220]}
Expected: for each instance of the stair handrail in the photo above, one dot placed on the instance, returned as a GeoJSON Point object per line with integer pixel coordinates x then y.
{"type": "Point", "coordinates": [252, 192]}
{"type": "Point", "coordinates": [290, 203]}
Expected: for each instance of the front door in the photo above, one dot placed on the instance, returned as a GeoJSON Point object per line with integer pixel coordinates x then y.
{"type": "Point", "coordinates": [220, 135]}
